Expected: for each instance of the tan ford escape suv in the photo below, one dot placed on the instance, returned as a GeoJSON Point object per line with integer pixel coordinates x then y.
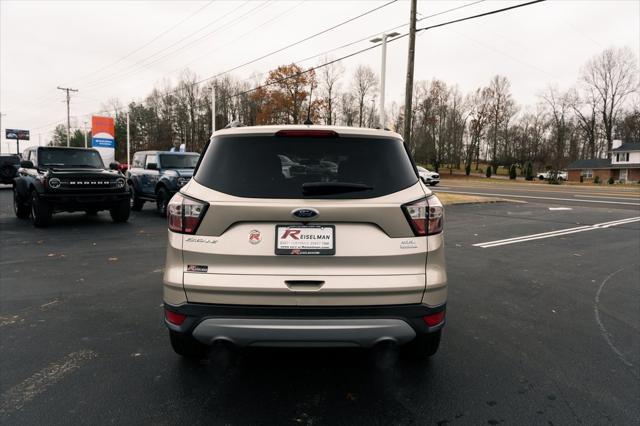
{"type": "Point", "coordinates": [305, 236]}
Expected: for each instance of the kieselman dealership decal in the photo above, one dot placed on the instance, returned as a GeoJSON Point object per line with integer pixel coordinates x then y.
{"type": "Point", "coordinates": [197, 268]}
{"type": "Point", "coordinates": [254, 236]}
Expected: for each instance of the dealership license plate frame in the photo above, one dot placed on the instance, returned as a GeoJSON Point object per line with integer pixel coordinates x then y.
{"type": "Point", "coordinates": [309, 251]}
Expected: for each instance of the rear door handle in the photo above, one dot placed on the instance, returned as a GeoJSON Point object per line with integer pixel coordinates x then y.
{"type": "Point", "coordinates": [309, 285]}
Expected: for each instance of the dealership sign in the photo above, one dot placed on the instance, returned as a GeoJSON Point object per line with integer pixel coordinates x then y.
{"type": "Point", "coordinates": [17, 134]}
{"type": "Point", "coordinates": [102, 132]}
{"type": "Point", "coordinates": [103, 137]}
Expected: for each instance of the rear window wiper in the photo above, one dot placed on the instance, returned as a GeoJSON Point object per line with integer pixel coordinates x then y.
{"type": "Point", "coordinates": [326, 188]}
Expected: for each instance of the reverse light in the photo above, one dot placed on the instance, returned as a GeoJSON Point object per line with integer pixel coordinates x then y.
{"type": "Point", "coordinates": [185, 214]}
{"type": "Point", "coordinates": [174, 317]}
{"type": "Point", "coordinates": [434, 319]}
{"type": "Point", "coordinates": [426, 216]}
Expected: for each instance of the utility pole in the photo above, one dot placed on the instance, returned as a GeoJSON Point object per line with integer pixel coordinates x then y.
{"type": "Point", "coordinates": [408, 91]}
{"type": "Point", "coordinates": [213, 108]}
{"type": "Point", "coordinates": [128, 144]}
{"type": "Point", "coordinates": [68, 89]}
{"type": "Point", "coordinates": [383, 71]}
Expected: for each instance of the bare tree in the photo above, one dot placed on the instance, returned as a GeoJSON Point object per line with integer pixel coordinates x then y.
{"type": "Point", "coordinates": [559, 106]}
{"type": "Point", "coordinates": [364, 83]}
{"type": "Point", "coordinates": [329, 86]}
{"type": "Point", "coordinates": [613, 75]}
{"type": "Point", "coordinates": [585, 107]}
{"type": "Point", "coordinates": [501, 110]}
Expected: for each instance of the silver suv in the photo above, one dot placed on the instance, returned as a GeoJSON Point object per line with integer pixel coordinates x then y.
{"type": "Point", "coordinates": [340, 246]}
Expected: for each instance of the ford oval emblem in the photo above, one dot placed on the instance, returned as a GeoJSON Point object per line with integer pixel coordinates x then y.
{"type": "Point", "coordinates": [305, 213]}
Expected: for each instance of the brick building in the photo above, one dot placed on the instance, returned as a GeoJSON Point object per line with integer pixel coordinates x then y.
{"type": "Point", "coordinates": [624, 165]}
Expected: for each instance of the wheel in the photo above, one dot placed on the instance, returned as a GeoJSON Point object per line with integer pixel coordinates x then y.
{"type": "Point", "coordinates": [162, 201]}
{"type": "Point", "coordinates": [7, 173]}
{"type": "Point", "coordinates": [120, 213]}
{"type": "Point", "coordinates": [187, 346]}
{"type": "Point", "coordinates": [40, 211]}
{"type": "Point", "coordinates": [136, 203]}
{"type": "Point", "coordinates": [20, 208]}
{"type": "Point", "coordinates": [423, 346]}
{"type": "Point", "coordinates": [433, 183]}
{"type": "Point", "coordinates": [540, 177]}
{"type": "Point", "coordinates": [560, 179]}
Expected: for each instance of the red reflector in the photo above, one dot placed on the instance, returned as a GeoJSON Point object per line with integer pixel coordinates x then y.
{"type": "Point", "coordinates": [175, 318]}
{"type": "Point", "coordinates": [434, 319]}
{"type": "Point", "coordinates": [307, 133]}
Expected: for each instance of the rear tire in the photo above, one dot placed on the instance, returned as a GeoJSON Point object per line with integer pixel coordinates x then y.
{"type": "Point", "coordinates": [423, 346]}
{"type": "Point", "coordinates": [41, 211]}
{"type": "Point", "coordinates": [162, 201]}
{"type": "Point", "coordinates": [136, 203]}
{"type": "Point", "coordinates": [20, 208]}
{"type": "Point", "coordinates": [187, 346]}
{"type": "Point", "coordinates": [120, 213]}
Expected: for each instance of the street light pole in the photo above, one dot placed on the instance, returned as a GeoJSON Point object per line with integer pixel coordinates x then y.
{"type": "Point", "coordinates": [85, 134]}
{"type": "Point", "coordinates": [383, 71]}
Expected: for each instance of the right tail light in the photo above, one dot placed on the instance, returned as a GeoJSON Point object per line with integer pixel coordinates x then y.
{"type": "Point", "coordinates": [185, 214]}
{"type": "Point", "coordinates": [426, 216]}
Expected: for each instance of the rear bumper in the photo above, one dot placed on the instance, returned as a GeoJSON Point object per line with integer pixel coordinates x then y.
{"type": "Point", "coordinates": [360, 326]}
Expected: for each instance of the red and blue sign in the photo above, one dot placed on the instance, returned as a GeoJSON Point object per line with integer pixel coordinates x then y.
{"type": "Point", "coordinates": [102, 132]}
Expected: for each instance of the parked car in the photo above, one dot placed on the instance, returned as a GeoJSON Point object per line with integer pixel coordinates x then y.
{"type": "Point", "coordinates": [429, 178]}
{"type": "Point", "coordinates": [561, 175]}
{"type": "Point", "coordinates": [9, 165]}
{"type": "Point", "coordinates": [344, 256]}
{"type": "Point", "coordinates": [54, 180]}
{"type": "Point", "coordinates": [156, 175]}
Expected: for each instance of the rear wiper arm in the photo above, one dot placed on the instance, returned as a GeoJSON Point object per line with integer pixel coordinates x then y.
{"type": "Point", "coordinates": [326, 188]}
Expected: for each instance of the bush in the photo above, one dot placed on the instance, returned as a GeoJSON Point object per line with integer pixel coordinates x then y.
{"type": "Point", "coordinates": [596, 179]}
{"type": "Point", "coordinates": [581, 178]}
{"type": "Point", "coordinates": [528, 171]}
{"type": "Point", "coordinates": [611, 181]}
{"type": "Point", "coordinates": [467, 170]}
{"type": "Point", "coordinates": [488, 172]}
{"type": "Point", "coordinates": [513, 173]}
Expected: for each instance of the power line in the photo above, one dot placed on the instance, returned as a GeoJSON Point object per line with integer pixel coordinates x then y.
{"type": "Point", "coordinates": [348, 55]}
{"type": "Point", "coordinates": [139, 65]}
{"type": "Point", "coordinates": [136, 50]}
{"type": "Point", "coordinates": [298, 42]}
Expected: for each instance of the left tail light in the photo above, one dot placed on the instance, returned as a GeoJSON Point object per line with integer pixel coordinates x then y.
{"type": "Point", "coordinates": [426, 216]}
{"type": "Point", "coordinates": [185, 214]}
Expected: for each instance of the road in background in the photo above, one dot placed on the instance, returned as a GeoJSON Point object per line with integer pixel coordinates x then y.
{"type": "Point", "coordinates": [540, 332]}
{"type": "Point", "coordinates": [615, 196]}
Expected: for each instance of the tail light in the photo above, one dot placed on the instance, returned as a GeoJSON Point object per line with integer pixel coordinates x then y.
{"type": "Point", "coordinates": [185, 214]}
{"type": "Point", "coordinates": [426, 216]}
{"type": "Point", "coordinates": [434, 319]}
{"type": "Point", "coordinates": [174, 317]}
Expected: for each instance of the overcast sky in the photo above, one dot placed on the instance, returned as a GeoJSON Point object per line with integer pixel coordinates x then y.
{"type": "Point", "coordinates": [122, 49]}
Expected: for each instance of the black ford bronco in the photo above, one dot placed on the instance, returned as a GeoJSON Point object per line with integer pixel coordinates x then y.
{"type": "Point", "coordinates": [54, 180]}
{"type": "Point", "coordinates": [157, 175]}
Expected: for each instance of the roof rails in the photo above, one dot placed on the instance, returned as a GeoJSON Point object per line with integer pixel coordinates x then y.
{"type": "Point", "coordinates": [234, 124]}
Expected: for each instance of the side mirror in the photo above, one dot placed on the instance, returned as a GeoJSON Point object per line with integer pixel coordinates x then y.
{"type": "Point", "coordinates": [114, 165]}
{"type": "Point", "coordinates": [152, 166]}
{"type": "Point", "coordinates": [26, 164]}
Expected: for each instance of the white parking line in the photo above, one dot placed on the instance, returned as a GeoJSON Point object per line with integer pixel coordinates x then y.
{"type": "Point", "coordinates": [16, 397]}
{"type": "Point", "coordinates": [557, 233]}
{"type": "Point", "coordinates": [541, 198]}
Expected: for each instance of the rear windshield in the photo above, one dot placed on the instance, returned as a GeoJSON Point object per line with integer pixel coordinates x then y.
{"type": "Point", "coordinates": [176, 161]}
{"type": "Point", "coordinates": [60, 157]}
{"type": "Point", "coordinates": [297, 167]}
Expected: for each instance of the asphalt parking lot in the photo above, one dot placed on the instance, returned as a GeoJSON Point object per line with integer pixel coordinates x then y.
{"type": "Point", "coordinates": [543, 329]}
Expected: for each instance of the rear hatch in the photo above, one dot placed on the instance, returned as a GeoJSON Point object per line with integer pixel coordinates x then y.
{"type": "Point", "coordinates": [324, 226]}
